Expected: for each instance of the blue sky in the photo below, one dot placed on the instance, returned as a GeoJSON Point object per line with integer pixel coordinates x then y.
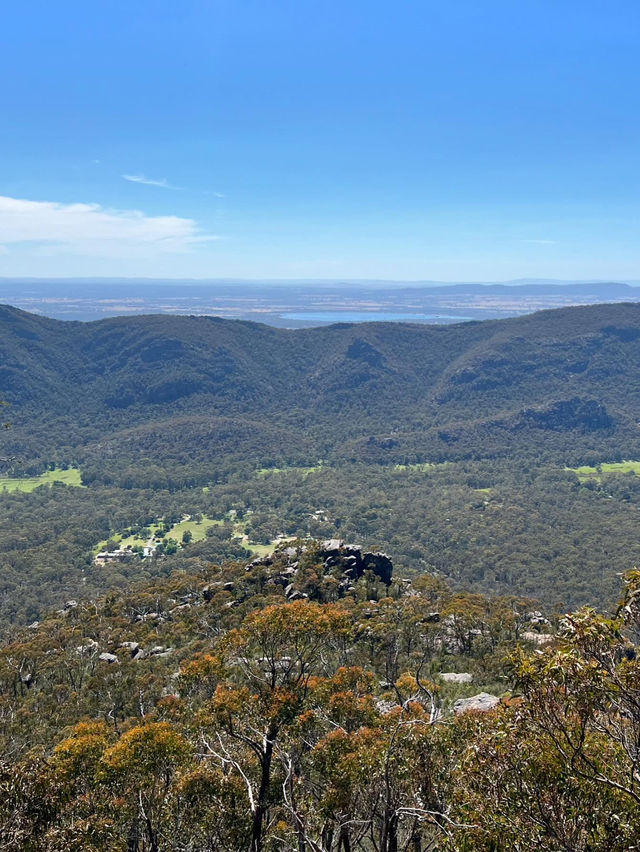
{"type": "Point", "coordinates": [453, 140]}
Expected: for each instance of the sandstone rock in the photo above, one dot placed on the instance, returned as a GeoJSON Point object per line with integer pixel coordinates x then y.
{"type": "Point", "coordinates": [380, 564]}
{"type": "Point", "coordinates": [108, 658]}
{"type": "Point", "coordinates": [260, 561]}
{"type": "Point", "coordinates": [297, 596]}
{"type": "Point", "coordinates": [537, 638]}
{"type": "Point", "coordinates": [482, 702]}
{"type": "Point", "coordinates": [88, 647]}
{"type": "Point", "coordinates": [456, 677]}
{"type": "Point", "coordinates": [345, 563]}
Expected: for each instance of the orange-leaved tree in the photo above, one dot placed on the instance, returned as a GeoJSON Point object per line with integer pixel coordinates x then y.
{"type": "Point", "coordinates": [271, 660]}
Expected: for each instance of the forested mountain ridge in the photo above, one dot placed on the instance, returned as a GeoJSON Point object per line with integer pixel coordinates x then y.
{"type": "Point", "coordinates": [436, 388]}
{"type": "Point", "coordinates": [451, 445]}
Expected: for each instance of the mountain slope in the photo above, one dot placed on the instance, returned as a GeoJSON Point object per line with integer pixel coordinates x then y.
{"type": "Point", "coordinates": [426, 390]}
{"type": "Point", "coordinates": [325, 432]}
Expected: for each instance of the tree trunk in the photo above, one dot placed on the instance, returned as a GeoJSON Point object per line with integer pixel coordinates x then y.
{"type": "Point", "coordinates": [389, 834]}
{"type": "Point", "coordinates": [344, 842]}
{"type": "Point", "coordinates": [133, 837]}
{"type": "Point", "coordinates": [327, 838]}
{"type": "Point", "coordinates": [263, 792]}
{"type": "Point", "coordinates": [153, 840]}
{"type": "Point", "coordinates": [392, 843]}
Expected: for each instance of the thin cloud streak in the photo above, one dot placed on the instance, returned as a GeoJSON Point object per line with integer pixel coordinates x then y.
{"type": "Point", "coordinates": [162, 182]}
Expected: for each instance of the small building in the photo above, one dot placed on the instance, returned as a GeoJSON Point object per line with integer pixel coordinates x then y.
{"type": "Point", "coordinates": [111, 556]}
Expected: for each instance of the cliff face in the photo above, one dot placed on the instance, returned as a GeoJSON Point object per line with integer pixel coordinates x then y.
{"type": "Point", "coordinates": [336, 567]}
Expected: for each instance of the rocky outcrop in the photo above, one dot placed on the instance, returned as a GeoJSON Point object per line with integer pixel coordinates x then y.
{"type": "Point", "coordinates": [537, 638]}
{"type": "Point", "coordinates": [585, 415]}
{"type": "Point", "coordinates": [456, 677]}
{"type": "Point", "coordinates": [335, 562]}
{"type": "Point", "coordinates": [354, 562]}
{"type": "Point", "coordinates": [535, 618]}
{"type": "Point", "coordinates": [481, 702]}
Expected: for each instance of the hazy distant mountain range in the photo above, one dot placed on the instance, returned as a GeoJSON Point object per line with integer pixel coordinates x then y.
{"type": "Point", "coordinates": [299, 304]}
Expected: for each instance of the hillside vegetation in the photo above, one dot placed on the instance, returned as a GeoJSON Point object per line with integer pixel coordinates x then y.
{"type": "Point", "coordinates": [462, 449]}
{"type": "Point", "coordinates": [244, 679]}
{"type": "Point", "coordinates": [314, 701]}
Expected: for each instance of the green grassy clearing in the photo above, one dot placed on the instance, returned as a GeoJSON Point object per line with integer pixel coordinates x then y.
{"type": "Point", "coordinates": [135, 540]}
{"type": "Point", "coordinates": [264, 549]}
{"type": "Point", "coordinates": [257, 549]}
{"type": "Point", "coordinates": [198, 530]}
{"type": "Point", "coordinates": [129, 541]}
{"type": "Point", "coordinates": [71, 476]}
{"type": "Point", "coordinates": [588, 472]}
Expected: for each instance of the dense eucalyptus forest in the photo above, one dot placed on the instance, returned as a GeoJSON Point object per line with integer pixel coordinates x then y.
{"type": "Point", "coordinates": [457, 448]}
{"type": "Point", "coordinates": [332, 613]}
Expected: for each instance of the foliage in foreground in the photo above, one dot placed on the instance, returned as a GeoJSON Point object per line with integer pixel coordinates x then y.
{"type": "Point", "coordinates": [317, 726]}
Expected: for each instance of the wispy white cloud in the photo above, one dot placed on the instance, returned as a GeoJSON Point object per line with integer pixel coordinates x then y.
{"type": "Point", "coordinates": [92, 229]}
{"type": "Point", "coordinates": [163, 182]}
{"type": "Point", "coordinates": [540, 242]}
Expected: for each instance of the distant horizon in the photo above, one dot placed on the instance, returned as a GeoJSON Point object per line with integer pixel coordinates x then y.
{"type": "Point", "coordinates": [297, 303]}
{"type": "Point", "coordinates": [323, 281]}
